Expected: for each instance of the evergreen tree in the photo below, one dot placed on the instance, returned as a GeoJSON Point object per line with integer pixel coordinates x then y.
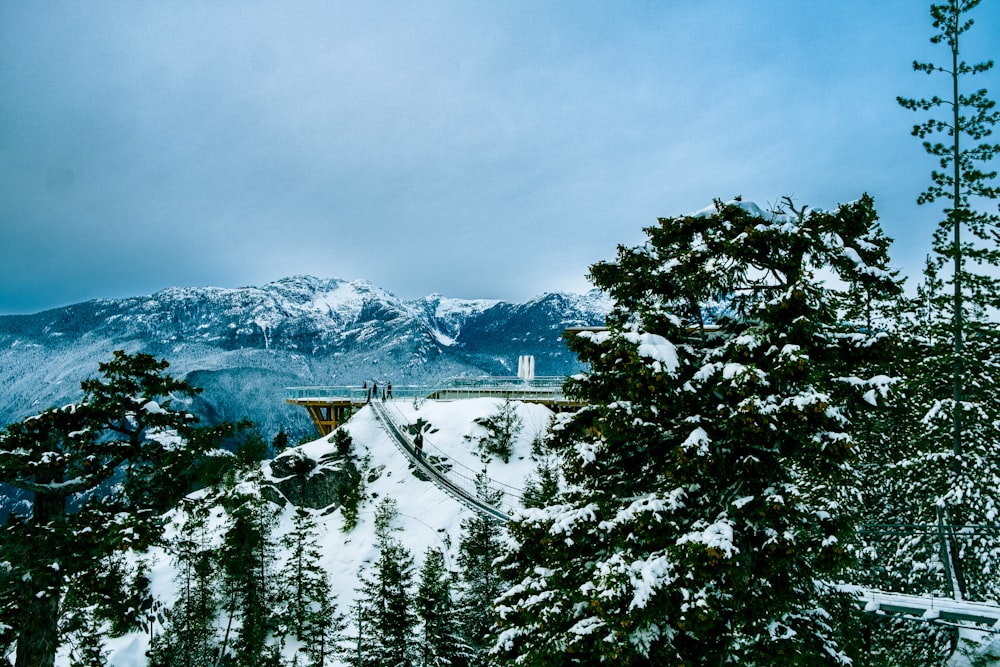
{"type": "Point", "coordinates": [893, 554]}
{"type": "Point", "coordinates": [386, 616]}
{"type": "Point", "coordinates": [190, 637]}
{"type": "Point", "coordinates": [953, 390]}
{"type": "Point", "coordinates": [501, 427]}
{"type": "Point", "coordinates": [709, 490]}
{"type": "Point", "coordinates": [109, 599]}
{"type": "Point", "coordinates": [88, 640]}
{"type": "Point", "coordinates": [280, 442]}
{"type": "Point", "coordinates": [481, 585]}
{"type": "Point", "coordinates": [247, 566]}
{"type": "Point", "coordinates": [305, 600]}
{"type": "Point", "coordinates": [440, 638]}
{"type": "Point", "coordinates": [541, 488]}
{"type": "Point", "coordinates": [100, 472]}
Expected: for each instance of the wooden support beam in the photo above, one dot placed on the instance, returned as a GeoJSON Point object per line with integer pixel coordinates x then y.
{"type": "Point", "coordinates": [327, 415]}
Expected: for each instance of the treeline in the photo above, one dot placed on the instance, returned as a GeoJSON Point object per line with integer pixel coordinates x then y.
{"type": "Point", "coordinates": [238, 604]}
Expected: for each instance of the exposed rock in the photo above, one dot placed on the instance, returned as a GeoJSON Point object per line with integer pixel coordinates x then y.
{"type": "Point", "coordinates": [323, 484]}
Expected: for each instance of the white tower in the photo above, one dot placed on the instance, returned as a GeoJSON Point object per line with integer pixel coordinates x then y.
{"type": "Point", "coordinates": [526, 367]}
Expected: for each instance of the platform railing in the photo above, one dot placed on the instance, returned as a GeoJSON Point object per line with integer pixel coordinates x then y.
{"type": "Point", "coordinates": [547, 387]}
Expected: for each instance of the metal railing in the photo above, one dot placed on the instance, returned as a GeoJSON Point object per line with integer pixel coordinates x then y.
{"type": "Point", "coordinates": [451, 476]}
{"type": "Point", "coordinates": [547, 388]}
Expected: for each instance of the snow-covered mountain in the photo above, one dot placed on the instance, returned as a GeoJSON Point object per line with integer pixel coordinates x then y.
{"type": "Point", "coordinates": [244, 345]}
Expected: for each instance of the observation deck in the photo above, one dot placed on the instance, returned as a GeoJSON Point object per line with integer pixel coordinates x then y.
{"type": "Point", "coordinates": [330, 406]}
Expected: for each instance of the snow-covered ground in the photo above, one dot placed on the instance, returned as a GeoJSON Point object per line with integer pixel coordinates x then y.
{"type": "Point", "coordinates": [428, 517]}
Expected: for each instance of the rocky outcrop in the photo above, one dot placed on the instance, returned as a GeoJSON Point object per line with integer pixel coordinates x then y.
{"type": "Point", "coordinates": [325, 484]}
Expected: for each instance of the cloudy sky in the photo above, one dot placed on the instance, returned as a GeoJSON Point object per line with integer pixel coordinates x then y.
{"type": "Point", "coordinates": [477, 149]}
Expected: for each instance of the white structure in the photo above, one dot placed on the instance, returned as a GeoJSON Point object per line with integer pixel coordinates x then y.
{"type": "Point", "coordinates": [526, 367]}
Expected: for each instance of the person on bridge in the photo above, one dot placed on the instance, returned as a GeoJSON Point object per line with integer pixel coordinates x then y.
{"type": "Point", "coordinates": [388, 389]}
{"type": "Point", "coordinates": [418, 444]}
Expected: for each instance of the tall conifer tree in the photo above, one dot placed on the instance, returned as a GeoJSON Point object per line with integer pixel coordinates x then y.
{"type": "Point", "coordinates": [246, 558]}
{"type": "Point", "coordinates": [100, 473]}
{"type": "Point", "coordinates": [960, 342]}
{"type": "Point", "coordinates": [481, 584]}
{"type": "Point", "coordinates": [386, 616]}
{"type": "Point", "coordinates": [709, 491]}
{"type": "Point", "coordinates": [441, 644]}
{"type": "Point", "coordinates": [190, 636]}
{"type": "Point", "coordinates": [305, 600]}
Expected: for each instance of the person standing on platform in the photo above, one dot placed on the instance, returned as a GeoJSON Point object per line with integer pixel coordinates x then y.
{"type": "Point", "coordinates": [418, 444]}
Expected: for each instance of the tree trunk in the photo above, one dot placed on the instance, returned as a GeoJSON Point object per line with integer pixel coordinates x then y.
{"type": "Point", "coordinates": [38, 638]}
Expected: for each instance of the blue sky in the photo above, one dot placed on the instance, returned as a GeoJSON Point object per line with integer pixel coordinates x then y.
{"type": "Point", "coordinates": [474, 149]}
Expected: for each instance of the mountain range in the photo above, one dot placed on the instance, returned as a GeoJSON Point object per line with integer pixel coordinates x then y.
{"type": "Point", "coordinates": [243, 346]}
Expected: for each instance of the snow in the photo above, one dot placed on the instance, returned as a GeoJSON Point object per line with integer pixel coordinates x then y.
{"type": "Point", "coordinates": [717, 536]}
{"type": "Point", "coordinates": [698, 441]}
{"type": "Point", "coordinates": [658, 349]}
{"type": "Point", "coordinates": [748, 206]}
{"type": "Point", "coordinates": [428, 517]}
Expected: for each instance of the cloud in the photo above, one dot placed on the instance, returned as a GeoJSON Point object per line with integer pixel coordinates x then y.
{"type": "Point", "coordinates": [471, 149]}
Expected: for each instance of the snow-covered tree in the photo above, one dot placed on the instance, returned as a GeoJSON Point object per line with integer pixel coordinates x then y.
{"type": "Point", "coordinates": [87, 645]}
{"type": "Point", "coordinates": [501, 427]}
{"type": "Point", "coordinates": [541, 488]}
{"type": "Point", "coordinates": [246, 559]}
{"type": "Point", "coordinates": [480, 545]}
{"type": "Point", "coordinates": [441, 644]}
{"type": "Point", "coordinates": [709, 495]}
{"type": "Point", "coordinates": [959, 416]}
{"type": "Point", "coordinates": [306, 605]}
{"type": "Point", "coordinates": [99, 472]}
{"type": "Point", "coordinates": [190, 636]}
{"type": "Point", "coordinates": [385, 615]}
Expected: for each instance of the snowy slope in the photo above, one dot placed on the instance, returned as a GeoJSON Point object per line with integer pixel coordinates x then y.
{"type": "Point", "coordinates": [428, 517]}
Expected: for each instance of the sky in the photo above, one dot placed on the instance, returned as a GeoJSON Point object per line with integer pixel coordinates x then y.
{"type": "Point", "coordinates": [475, 149]}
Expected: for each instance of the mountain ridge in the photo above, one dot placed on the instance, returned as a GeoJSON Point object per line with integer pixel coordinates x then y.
{"type": "Point", "coordinates": [243, 345]}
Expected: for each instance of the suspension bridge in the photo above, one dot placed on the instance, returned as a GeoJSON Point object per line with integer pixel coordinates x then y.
{"type": "Point", "coordinates": [457, 480]}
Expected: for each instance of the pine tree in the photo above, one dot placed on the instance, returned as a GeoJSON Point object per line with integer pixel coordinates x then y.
{"type": "Point", "coordinates": [891, 555]}
{"type": "Point", "coordinates": [385, 615]}
{"type": "Point", "coordinates": [955, 440]}
{"type": "Point", "coordinates": [88, 645]}
{"type": "Point", "coordinates": [190, 636]}
{"type": "Point", "coordinates": [305, 600]}
{"type": "Point", "coordinates": [109, 599]}
{"type": "Point", "coordinates": [944, 553]}
{"type": "Point", "coordinates": [541, 488]}
{"type": "Point", "coordinates": [100, 472]}
{"type": "Point", "coordinates": [709, 489]}
{"type": "Point", "coordinates": [501, 427]}
{"type": "Point", "coordinates": [440, 638]}
{"type": "Point", "coordinates": [247, 562]}
{"type": "Point", "coordinates": [481, 585]}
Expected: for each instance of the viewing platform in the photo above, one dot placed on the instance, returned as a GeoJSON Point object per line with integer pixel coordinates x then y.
{"type": "Point", "coordinates": [331, 406]}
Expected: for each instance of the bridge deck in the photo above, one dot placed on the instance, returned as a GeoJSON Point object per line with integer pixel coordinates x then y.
{"type": "Point", "coordinates": [928, 608]}
{"type": "Point", "coordinates": [330, 406]}
{"type": "Point", "coordinates": [458, 486]}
